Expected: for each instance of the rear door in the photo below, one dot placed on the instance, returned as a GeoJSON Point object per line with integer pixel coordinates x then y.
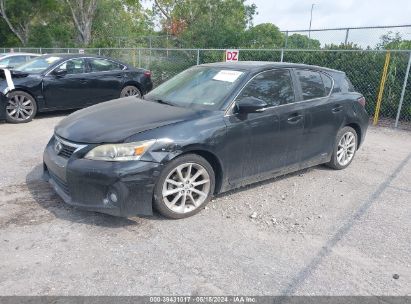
{"type": "Point", "coordinates": [324, 115]}
{"type": "Point", "coordinates": [106, 79]}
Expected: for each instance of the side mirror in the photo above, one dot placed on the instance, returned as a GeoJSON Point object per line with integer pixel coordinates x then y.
{"type": "Point", "coordinates": [60, 73]}
{"type": "Point", "coordinates": [250, 105]}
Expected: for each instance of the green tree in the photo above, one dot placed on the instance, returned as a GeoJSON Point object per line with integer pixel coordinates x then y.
{"type": "Point", "coordinates": [298, 41]}
{"type": "Point", "coordinates": [21, 15]}
{"type": "Point", "coordinates": [265, 35]}
{"type": "Point", "coordinates": [123, 20]}
{"type": "Point", "coordinates": [207, 23]}
{"type": "Point", "coordinates": [393, 41]}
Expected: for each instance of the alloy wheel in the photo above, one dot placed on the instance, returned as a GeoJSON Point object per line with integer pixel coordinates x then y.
{"type": "Point", "coordinates": [186, 187]}
{"type": "Point", "coordinates": [20, 107]}
{"type": "Point", "coordinates": [346, 148]}
{"type": "Point", "coordinates": [131, 91]}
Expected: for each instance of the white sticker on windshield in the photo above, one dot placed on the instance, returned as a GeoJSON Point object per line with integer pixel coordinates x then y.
{"type": "Point", "coordinates": [227, 75]}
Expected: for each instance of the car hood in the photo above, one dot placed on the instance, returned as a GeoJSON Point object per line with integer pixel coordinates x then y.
{"type": "Point", "coordinates": [116, 120]}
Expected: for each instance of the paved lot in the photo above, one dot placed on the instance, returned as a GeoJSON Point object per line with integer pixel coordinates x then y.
{"type": "Point", "coordinates": [317, 231]}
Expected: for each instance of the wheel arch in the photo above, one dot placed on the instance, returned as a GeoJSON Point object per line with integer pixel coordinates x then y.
{"type": "Point", "coordinates": [357, 129]}
{"type": "Point", "coordinates": [133, 83]}
{"type": "Point", "coordinates": [25, 91]}
{"type": "Point", "coordinates": [215, 163]}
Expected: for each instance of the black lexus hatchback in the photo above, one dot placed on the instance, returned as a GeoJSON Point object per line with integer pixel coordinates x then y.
{"type": "Point", "coordinates": [211, 128]}
{"type": "Point", "coordinates": [66, 81]}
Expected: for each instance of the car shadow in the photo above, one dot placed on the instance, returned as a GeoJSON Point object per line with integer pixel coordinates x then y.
{"type": "Point", "coordinates": [44, 195]}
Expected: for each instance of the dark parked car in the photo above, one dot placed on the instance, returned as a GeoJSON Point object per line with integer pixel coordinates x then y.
{"type": "Point", "coordinates": [209, 129]}
{"type": "Point", "coordinates": [67, 81]}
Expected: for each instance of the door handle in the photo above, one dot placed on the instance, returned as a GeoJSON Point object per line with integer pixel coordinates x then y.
{"type": "Point", "coordinates": [294, 118]}
{"type": "Point", "coordinates": [337, 108]}
{"type": "Point", "coordinates": [119, 76]}
{"type": "Point", "coordinates": [83, 80]}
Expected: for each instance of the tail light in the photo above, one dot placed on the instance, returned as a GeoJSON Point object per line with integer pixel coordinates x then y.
{"type": "Point", "coordinates": [361, 100]}
{"type": "Point", "coordinates": [147, 73]}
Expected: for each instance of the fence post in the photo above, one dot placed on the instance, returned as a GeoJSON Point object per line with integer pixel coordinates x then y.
{"type": "Point", "coordinates": [407, 73]}
{"type": "Point", "coordinates": [382, 85]}
{"type": "Point", "coordinates": [139, 58]}
{"type": "Point", "coordinates": [346, 36]}
{"type": "Point", "coordinates": [282, 55]}
{"type": "Point", "coordinates": [286, 39]}
{"type": "Point", "coordinates": [99, 51]}
{"type": "Point", "coordinates": [198, 56]}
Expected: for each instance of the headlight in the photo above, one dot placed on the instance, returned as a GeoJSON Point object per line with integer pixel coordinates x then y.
{"type": "Point", "coordinates": [120, 152]}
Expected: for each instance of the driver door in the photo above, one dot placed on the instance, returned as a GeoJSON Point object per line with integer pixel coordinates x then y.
{"type": "Point", "coordinates": [67, 85]}
{"type": "Point", "coordinates": [265, 142]}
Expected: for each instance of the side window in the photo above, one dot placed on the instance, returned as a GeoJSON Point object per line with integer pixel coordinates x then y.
{"type": "Point", "coordinates": [328, 83]}
{"type": "Point", "coordinates": [103, 65]}
{"type": "Point", "coordinates": [311, 84]}
{"type": "Point", "coordinates": [73, 66]}
{"type": "Point", "coordinates": [274, 87]}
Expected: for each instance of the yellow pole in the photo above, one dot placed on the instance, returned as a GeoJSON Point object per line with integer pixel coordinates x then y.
{"type": "Point", "coordinates": [382, 85]}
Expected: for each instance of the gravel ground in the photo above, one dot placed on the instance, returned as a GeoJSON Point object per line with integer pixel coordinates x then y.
{"type": "Point", "coordinates": [314, 232]}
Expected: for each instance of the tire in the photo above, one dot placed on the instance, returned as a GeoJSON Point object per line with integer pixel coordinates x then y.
{"type": "Point", "coordinates": [182, 201]}
{"type": "Point", "coordinates": [21, 107]}
{"type": "Point", "coordinates": [345, 147]}
{"type": "Point", "coordinates": [130, 90]}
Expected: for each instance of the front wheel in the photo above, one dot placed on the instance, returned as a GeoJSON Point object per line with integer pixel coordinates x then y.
{"type": "Point", "coordinates": [130, 91]}
{"type": "Point", "coordinates": [21, 107]}
{"type": "Point", "coordinates": [344, 148]}
{"type": "Point", "coordinates": [185, 185]}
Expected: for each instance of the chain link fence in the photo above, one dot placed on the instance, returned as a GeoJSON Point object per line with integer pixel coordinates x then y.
{"type": "Point", "coordinates": [371, 37]}
{"type": "Point", "coordinates": [363, 67]}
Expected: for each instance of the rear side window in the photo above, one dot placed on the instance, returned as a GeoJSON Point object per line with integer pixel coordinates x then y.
{"type": "Point", "coordinates": [275, 87]}
{"type": "Point", "coordinates": [103, 65]}
{"type": "Point", "coordinates": [347, 85]}
{"type": "Point", "coordinates": [311, 84]}
{"type": "Point", "coordinates": [328, 83]}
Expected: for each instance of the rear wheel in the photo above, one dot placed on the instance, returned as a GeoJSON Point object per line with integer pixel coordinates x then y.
{"type": "Point", "coordinates": [130, 91]}
{"type": "Point", "coordinates": [21, 107]}
{"type": "Point", "coordinates": [185, 186]}
{"type": "Point", "coordinates": [344, 148]}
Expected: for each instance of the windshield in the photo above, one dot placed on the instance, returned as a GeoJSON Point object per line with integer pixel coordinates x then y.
{"type": "Point", "coordinates": [38, 65]}
{"type": "Point", "coordinates": [199, 86]}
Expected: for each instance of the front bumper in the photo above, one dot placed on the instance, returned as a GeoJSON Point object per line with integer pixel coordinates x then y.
{"type": "Point", "coordinates": [89, 184]}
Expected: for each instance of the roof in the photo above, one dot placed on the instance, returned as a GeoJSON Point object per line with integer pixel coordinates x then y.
{"type": "Point", "coordinates": [255, 66]}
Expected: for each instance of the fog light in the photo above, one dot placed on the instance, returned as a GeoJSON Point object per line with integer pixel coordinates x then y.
{"type": "Point", "coordinates": [113, 197]}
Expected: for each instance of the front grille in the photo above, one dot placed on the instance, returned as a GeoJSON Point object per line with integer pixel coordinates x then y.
{"type": "Point", "coordinates": [66, 151]}
{"type": "Point", "coordinates": [64, 148]}
{"type": "Point", "coordinates": [60, 183]}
